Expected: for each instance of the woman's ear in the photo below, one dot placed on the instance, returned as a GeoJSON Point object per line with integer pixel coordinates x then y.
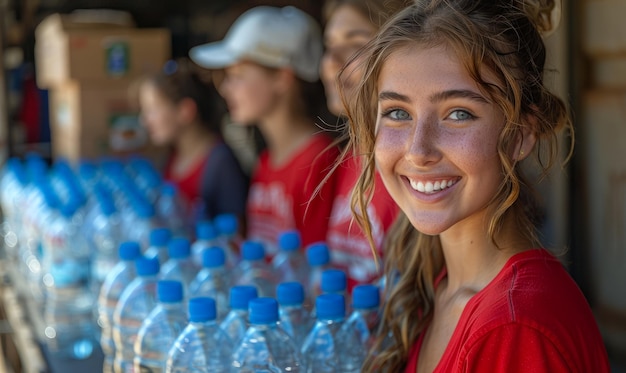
{"type": "Point", "coordinates": [525, 140]}
{"type": "Point", "coordinates": [187, 111]}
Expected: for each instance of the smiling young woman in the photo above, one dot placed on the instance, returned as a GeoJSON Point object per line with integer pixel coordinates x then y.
{"type": "Point", "coordinates": [451, 102]}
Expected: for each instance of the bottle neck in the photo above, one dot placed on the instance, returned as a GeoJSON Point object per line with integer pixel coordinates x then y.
{"type": "Point", "coordinates": [171, 306]}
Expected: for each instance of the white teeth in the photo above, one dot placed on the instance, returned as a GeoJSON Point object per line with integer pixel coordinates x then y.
{"type": "Point", "coordinates": [429, 187]}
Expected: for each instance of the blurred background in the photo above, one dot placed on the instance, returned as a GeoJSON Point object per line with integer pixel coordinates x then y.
{"type": "Point", "coordinates": [67, 67]}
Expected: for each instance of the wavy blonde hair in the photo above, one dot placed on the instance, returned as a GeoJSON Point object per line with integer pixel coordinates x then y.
{"type": "Point", "coordinates": [504, 38]}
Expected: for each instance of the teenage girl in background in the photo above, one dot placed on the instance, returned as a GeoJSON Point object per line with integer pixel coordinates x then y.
{"type": "Point", "coordinates": [271, 60]}
{"type": "Point", "coordinates": [350, 24]}
{"type": "Point", "coordinates": [180, 110]}
{"type": "Point", "coordinates": [451, 104]}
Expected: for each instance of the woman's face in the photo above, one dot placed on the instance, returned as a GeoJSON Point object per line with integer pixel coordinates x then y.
{"type": "Point", "coordinates": [347, 31]}
{"type": "Point", "coordinates": [249, 92]}
{"type": "Point", "coordinates": [159, 115]}
{"type": "Point", "coordinates": [437, 137]}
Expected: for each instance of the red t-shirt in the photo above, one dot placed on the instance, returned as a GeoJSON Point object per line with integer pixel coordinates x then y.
{"type": "Point", "coordinates": [350, 249]}
{"type": "Point", "coordinates": [188, 184]}
{"type": "Point", "coordinates": [279, 196]}
{"type": "Point", "coordinates": [531, 318]}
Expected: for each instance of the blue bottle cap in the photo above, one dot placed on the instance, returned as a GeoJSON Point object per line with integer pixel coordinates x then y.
{"type": "Point", "coordinates": [147, 266]}
{"type": "Point", "coordinates": [334, 281]}
{"type": "Point", "coordinates": [129, 250]}
{"type": "Point", "coordinates": [252, 250]}
{"type": "Point", "coordinates": [241, 295]}
{"type": "Point", "coordinates": [160, 236]}
{"type": "Point", "coordinates": [226, 224]}
{"type": "Point", "coordinates": [289, 241]}
{"type": "Point", "coordinates": [263, 311]}
{"type": "Point", "coordinates": [213, 257]}
{"type": "Point", "coordinates": [179, 248]}
{"type": "Point", "coordinates": [168, 189]}
{"type": "Point", "coordinates": [202, 309]}
{"type": "Point", "coordinates": [330, 307]}
{"type": "Point", "coordinates": [169, 291]}
{"type": "Point", "coordinates": [365, 296]}
{"type": "Point", "coordinates": [205, 230]}
{"type": "Point", "coordinates": [317, 254]}
{"type": "Point", "coordinates": [143, 209]}
{"type": "Point", "coordinates": [290, 293]}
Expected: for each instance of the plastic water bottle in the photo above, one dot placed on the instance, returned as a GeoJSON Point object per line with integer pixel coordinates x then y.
{"type": "Point", "coordinates": [290, 262]}
{"type": "Point", "coordinates": [213, 280]}
{"type": "Point", "coordinates": [266, 347]}
{"type": "Point", "coordinates": [180, 266]}
{"type": "Point", "coordinates": [236, 322]}
{"type": "Point", "coordinates": [318, 257]}
{"type": "Point", "coordinates": [202, 347]}
{"type": "Point", "coordinates": [227, 226]}
{"type": "Point", "coordinates": [294, 318]}
{"type": "Point", "coordinates": [170, 209]}
{"type": "Point", "coordinates": [135, 304]}
{"type": "Point", "coordinates": [206, 236]}
{"type": "Point", "coordinates": [68, 312]}
{"type": "Point", "coordinates": [159, 331]}
{"type": "Point", "coordinates": [159, 240]}
{"type": "Point", "coordinates": [254, 270]}
{"type": "Point", "coordinates": [365, 318]}
{"type": "Point", "coordinates": [320, 348]}
{"type": "Point", "coordinates": [115, 282]}
{"type": "Point", "coordinates": [106, 238]}
{"type": "Point", "coordinates": [335, 281]}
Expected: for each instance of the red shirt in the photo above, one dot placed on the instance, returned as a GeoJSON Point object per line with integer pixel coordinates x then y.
{"type": "Point", "coordinates": [531, 318]}
{"type": "Point", "coordinates": [350, 249]}
{"type": "Point", "coordinates": [188, 184]}
{"type": "Point", "coordinates": [279, 196]}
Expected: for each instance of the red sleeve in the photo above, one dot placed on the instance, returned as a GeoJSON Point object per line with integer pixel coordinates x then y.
{"type": "Point", "coordinates": [515, 348]}
{"type": "Point", "coordinates": [316, 211]}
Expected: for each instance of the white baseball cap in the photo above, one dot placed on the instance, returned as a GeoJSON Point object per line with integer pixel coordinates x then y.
{"type": "Point", "coordinates": [269, 36]}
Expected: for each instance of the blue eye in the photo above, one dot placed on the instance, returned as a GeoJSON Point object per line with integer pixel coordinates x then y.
{"type": "Point", "coordinates": [397, 114]}
{"type": "Point", "coordinates": [461, 115]}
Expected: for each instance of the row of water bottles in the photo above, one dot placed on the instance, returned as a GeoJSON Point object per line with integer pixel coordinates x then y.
{"type": "Point", "coordinates": [123, 308]}
{"type": "Point", "coordinates": [153, 332]}
{"type": "Point", "coordinates": [61, 229]}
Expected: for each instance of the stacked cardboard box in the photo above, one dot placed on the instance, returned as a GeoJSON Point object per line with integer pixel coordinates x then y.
{"type": "Point", "coordinates": [89, 66]}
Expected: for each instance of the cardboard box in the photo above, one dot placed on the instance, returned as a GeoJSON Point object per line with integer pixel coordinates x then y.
{"type": "Point", "coordinates": [67, 49]}
{"type": "Point", "coordinates": [91, 121]}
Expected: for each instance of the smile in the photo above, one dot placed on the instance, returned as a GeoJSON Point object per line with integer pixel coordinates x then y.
{"type": "Point", "coordinates": [430, 187]}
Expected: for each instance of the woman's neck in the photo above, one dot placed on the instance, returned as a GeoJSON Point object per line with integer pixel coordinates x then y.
{"type": "Point", "coordinates": [285, 133]}
{"type": "Point", "coordinates": [472, 259]}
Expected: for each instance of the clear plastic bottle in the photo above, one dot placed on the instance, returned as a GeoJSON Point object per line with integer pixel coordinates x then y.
{"type": "Point", "coordinates": [266, 347]}
{"type": "Point", "coordinates": [115, 282]}
{"type": "Point", "coordinates": [254, 270]}
{"type": "Point", "coordinates": [135, 304]}
{"type": "Point", "coordinates": [318, 257]}
{"type": "Point", "coordinates": [365, 317]}
{"type": "Point", "coordinates": [159, 331]}
{"type": "Point", "coordinates": [320, 348]}
{"type": "Point", "coordinates": [159, 240]}
{"type": "Point", "coordinates": [180, 266]}
{"type": "Point", "coordinates": [236, 322]}
{"type": "Point", "coordinates": [171, 209]}
{"type": "Point", "coordinates": [213, 280]}
{"type": "Point", "coordinates": [290, 262]}
{"type": "Point", "coordinates": [202, 347]}
{"type": "Point", "coordinates": [206, 236]}
{"type": "Point", "coordinates": [294, 318]}
{"type": "Point", "coordinates": [68, 311]}
{"type": "Point", "coordinates": [227, 226]}
{"type": "Point", "coordinates": [335, 281]}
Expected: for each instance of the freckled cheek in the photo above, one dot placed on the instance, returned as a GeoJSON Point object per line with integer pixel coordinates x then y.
{"type": "Point", "coordinates": [388, 148]}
